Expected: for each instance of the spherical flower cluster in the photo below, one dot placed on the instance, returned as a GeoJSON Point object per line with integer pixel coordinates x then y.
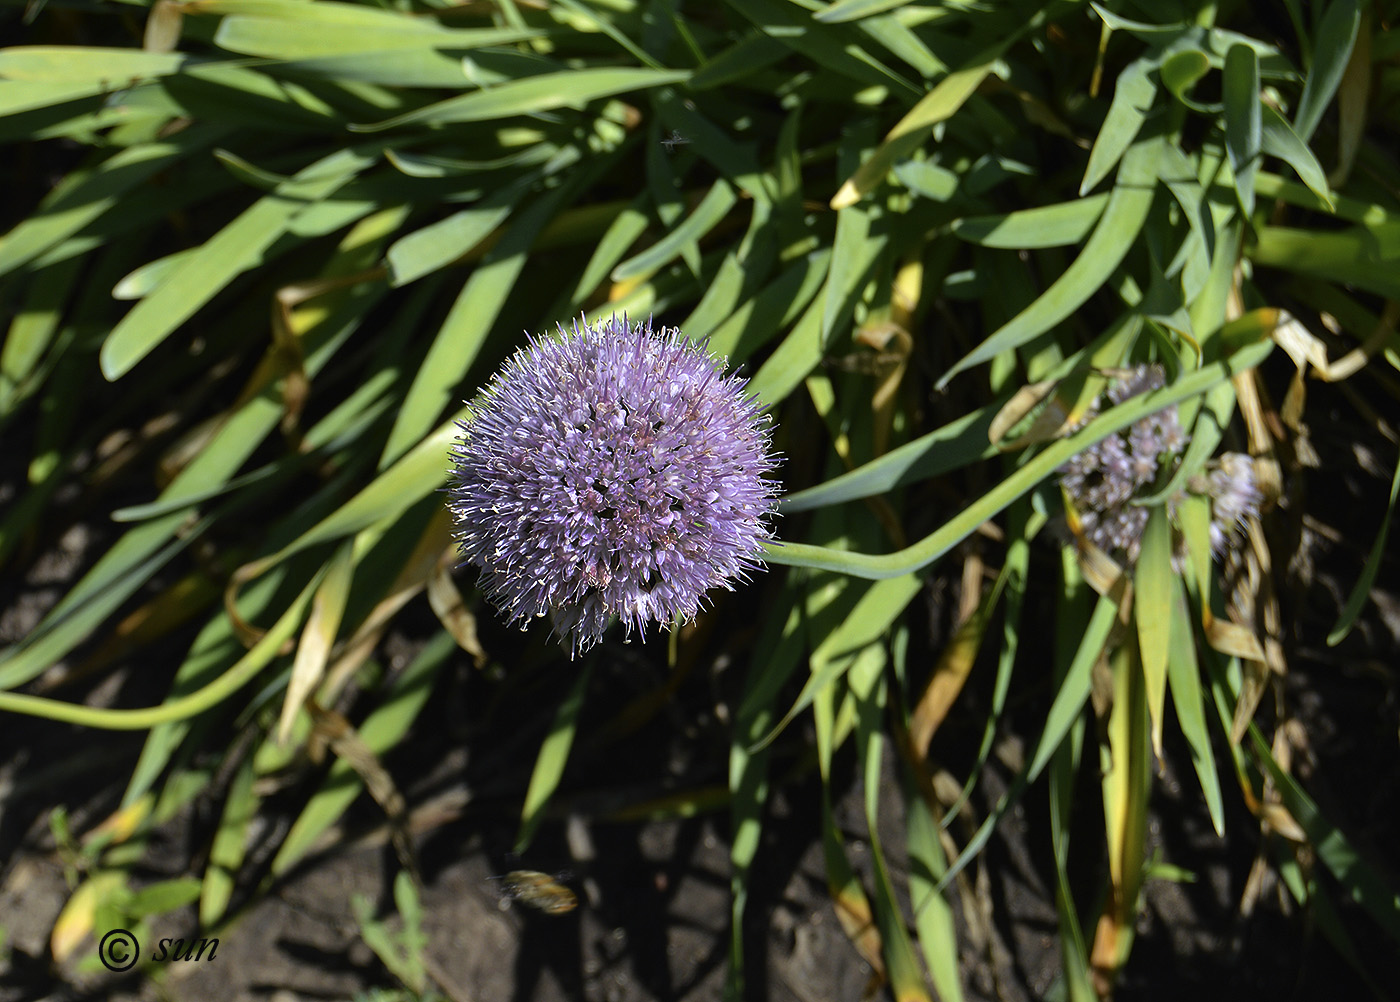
{"type": "Point", "coordinates": [612, 472]}
{"type": "Point", "coordinates": [1103, 479]}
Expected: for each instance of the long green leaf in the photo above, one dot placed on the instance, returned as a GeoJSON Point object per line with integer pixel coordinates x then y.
{"type": "Point", "coordinates": [76, 63]}
{"type": "Point", "coordinates": [1277, 139]}
{"type": "Point", "coordinates": [1336, 36]}
{"type": "Point", "coordinates": [569, 89]}
{"type": "Point", "coordinates": [933, 913]}
{"type": "Point", "coordinates": [707, 215]}
{"type": "Point", "coordinates": [1133, 97]}
{"type": "Point", "coordinates": [759, 319]}
{"type": "Point", "coordinates": [1057, 225]}
{"type": "Point", "coordinates": [1183, 673]}
{"type": "Point", "coordinates": [1113, 237]}
{"type": "Point", "coordinates": [85, 196]}
{"type": "Point", "coordinates": [1243, 123]}
{"type": "Point", "coordinates": [1362, 256]}
{"type": "Point", "coordinates": [438, 244]}
{"type": "Point", "coordinates": [1153, 611]}
{"type": "Point", "coordinates": [879, 606]}
{"type": "Point", "coordinates": [915, 128]}
{"type": "Point", "coordinates": [271, 38]}
{"type": "Point", "coordinates": [233, 250]}
{"type": "Point", "coordinates": [959, 443]}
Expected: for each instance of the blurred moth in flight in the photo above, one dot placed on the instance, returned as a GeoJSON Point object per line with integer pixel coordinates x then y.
{"type": "Point", "coordinates": [538, 890]}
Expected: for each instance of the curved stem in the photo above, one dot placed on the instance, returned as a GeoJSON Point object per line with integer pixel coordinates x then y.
{"type": "Point", "coordinates": [177, 709]}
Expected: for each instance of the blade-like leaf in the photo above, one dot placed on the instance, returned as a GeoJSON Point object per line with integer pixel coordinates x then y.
{"type": "Point", "coordinates": [1115, 234]}
{"type": "Point", "coordinates": [1336, 36]}
{"type": "Point", "coordinates": [569, 89]}
{"type": "Point", "coordinates": [1133, 96]}
{"type": "Point", "coordinates": [1242, 119]}
{"type": "Point", "coordinates": [1277, 139]}
{"type": "Point", "coordinates": [1154, 610]}
{"type": "Point", "coordinates": [1183, 673]}
{"type": "Point", "coordinates": [1045, 226]}
{"type": "Point", "coordinates": [230, 252]}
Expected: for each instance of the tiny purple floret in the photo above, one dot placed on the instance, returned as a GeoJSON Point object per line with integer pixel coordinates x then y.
{"type": "Point", "coordinates": [615, 471]}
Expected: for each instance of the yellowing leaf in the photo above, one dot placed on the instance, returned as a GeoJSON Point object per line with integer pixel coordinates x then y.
{"type": "Point", "coordinates": [318, 636]}
{"type": "Point", "coordinates": [75, 922]}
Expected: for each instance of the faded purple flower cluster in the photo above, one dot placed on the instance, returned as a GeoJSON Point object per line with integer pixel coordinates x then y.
{"type": "Point", "coordinates": [614, 471]}
{"type": "Point", "coordinates": [1103, 479]}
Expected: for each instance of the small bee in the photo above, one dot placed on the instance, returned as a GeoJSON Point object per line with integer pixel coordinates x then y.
{"type": "Point", "coordinates": [673, 140]}
{"type": "Point", "coordinates": [538, 890]}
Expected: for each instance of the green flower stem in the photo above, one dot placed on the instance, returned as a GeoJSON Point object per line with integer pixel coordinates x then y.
{"type": "Point", "coordinates": [962, 525]}
{"type": "Point", "coordinates": [177, 709]}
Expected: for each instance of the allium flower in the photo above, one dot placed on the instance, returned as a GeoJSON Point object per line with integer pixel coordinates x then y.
{"type": "Point", "coordinates": [615, 471]}
{"type": "Point", "coordinates": [1103, 479]}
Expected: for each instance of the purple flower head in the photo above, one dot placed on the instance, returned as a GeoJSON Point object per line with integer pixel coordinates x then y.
{"type": "Point", "coordinates": [614, 471]}
{"type": "Point", "coordinates": [1103, 479]}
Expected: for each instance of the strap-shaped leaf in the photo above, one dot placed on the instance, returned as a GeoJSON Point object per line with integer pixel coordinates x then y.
{"type": "Point", "coordinates": [230, 252]}
{"type": "Point", "coordinates": [270, 38]}
{"type": "Point", "coordinates": [78, 64]}
{"type": "Point", "coordinates": [1154, 611]}
{"type": "Point", "coordinates": [85, 196]}
{"type": "Point", "coordinates": [1117, 231]}
{"type": "Point", "coordinates": [1184, 676]}
{"type": "Point", "coordinates": [1336, 35]}
{"type": "Point", "coordinates": [914, 129]}
{"type": "Point", "coordinates": [707, 215]}
{"type": "Point", "coordinates": [1243, 122]}
{"type": "Point", "coordinates": [1133, 96]}
{"type": "Point", "coordinates": [568, 89]}
{"type": "Point", "coordinates": [1277, 139]}
{"type": "Point", "coordinates": [1055, 225]}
